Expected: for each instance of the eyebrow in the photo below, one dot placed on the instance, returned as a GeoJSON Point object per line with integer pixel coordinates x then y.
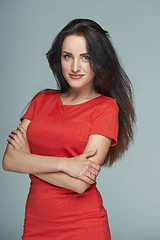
{"type": "Point", "coordinates": [82, 54]}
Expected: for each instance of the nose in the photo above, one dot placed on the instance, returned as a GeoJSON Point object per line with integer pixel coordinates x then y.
{"type": "Point", "coordinates": [75, 65]}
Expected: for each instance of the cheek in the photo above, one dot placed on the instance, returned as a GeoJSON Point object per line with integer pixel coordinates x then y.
{"type": "Point", "coordinates": [90, 72]}
{"type": "Point", "coordinates": [64, 66]}
{"type": "Point", "coordinates": [88, 69]}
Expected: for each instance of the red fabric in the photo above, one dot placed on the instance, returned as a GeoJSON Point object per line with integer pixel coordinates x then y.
{"type": "Point", "coordinates": [63, 130]}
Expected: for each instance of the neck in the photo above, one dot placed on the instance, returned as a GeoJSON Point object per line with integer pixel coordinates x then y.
{"type": "Point", "coordinates": [79, 94]}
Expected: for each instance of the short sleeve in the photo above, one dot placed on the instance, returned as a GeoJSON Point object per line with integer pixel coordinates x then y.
{"type": "Point", "coordinates": [105, 122]}
{"type": "Point", "coordinates": [30, 110]}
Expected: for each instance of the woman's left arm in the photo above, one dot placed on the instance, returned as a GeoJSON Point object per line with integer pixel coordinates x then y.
{"type": "Point", "coordinates": [61, 179]}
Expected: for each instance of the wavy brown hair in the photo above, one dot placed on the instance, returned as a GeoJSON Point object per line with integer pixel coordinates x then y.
{"type": "Point", "coordinates": [110, 78]}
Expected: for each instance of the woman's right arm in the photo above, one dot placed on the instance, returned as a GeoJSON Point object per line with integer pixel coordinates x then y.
{"type": "Point", "coordinates": [23, 162]}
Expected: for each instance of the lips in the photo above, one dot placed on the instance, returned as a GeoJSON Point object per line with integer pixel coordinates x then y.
{"type": "Point", "coordinates": [76, 76]}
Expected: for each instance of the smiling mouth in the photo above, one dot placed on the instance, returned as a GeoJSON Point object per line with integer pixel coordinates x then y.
{"type": "Point", "coordinates": [76, 76]}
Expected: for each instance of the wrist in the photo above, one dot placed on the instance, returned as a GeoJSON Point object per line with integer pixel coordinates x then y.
{"type": "Point", "coordinates": [62, 164]}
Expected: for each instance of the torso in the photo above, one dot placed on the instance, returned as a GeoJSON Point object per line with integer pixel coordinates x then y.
{"type": "Point", "coordinates": [59, 129]}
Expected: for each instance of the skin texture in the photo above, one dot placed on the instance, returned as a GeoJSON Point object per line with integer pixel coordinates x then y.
{"type": "Point", "coordinates": [76, 173]}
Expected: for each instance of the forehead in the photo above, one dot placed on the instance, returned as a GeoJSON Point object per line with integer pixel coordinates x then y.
{"type": "Point", "coordinates": [75, 43]}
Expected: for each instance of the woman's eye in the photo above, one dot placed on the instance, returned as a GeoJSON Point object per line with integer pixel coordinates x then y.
{"type": "Point", "coordinates": [86, 58]}
{"type": "Point", "coordinates": [67, 56]}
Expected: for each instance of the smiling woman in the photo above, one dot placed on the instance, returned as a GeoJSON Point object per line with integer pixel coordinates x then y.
{"type": "Point", "coordinates": [66, 135]}
{"type": "Point", "coordinates": [76, 66]}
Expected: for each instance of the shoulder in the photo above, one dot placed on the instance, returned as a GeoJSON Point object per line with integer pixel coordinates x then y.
{"type": "Point", "coordinates": [105, 103]}
{"type": "Point", "coordinates": [45, 92]}
{"type": "Point", "coordinates": [44, 95]}
{"type": "Point", "coordinates": [41, 100]}
{"type": "Point", "coordinates": [105, 108]}
{"type": "Point", "coordinates": [108, 101]}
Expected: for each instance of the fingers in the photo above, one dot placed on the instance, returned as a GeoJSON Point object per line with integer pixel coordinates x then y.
{"type": "Point", "coordinates": [92, 169]}
{"type": "Point", "coordinates": [89, 174]}
{"type": "Point", "coordinates": [96, 167]}
{"type": "Point", "coordinates": [93, 164]}
{"type": "Point", "coordinates": [95, 171]}
{"type": "Point", "coordinates": [14, 137]}
{"type": "Point", "coordinates": [83, 168]}
{"type": "Point", "coordinates": [92, 176]}
{"type": "Point", "coordinates": [17, 138]}
{"type": "Point", "coordinates": [23, 131]}
{"type": "Point", "coordinates": [13, 143]}
{"type": "Point", "coordinates": [88, 180]}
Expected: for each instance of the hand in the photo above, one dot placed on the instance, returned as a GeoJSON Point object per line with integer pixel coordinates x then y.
{"type": "Point", "coordinates": [82, 168]}
{"type": "Point", "coordinates": [18, 139]}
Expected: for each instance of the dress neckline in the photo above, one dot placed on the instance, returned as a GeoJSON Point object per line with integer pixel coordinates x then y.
{"type": "Point", "coordinates": [74, 105]}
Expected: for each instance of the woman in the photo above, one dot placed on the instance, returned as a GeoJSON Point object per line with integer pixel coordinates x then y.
{"type": "Point", "coordinates": [66, 135]}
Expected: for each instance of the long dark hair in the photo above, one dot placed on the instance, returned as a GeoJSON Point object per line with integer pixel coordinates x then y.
{"type": "Point", "coordinates": [110, 78]}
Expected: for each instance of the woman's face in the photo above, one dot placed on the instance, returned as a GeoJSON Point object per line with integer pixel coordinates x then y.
{"type": "Point", "coordinates": [75, 62]}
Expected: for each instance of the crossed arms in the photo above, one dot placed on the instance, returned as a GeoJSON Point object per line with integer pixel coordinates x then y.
{"type": "Point", "coordinates": [76, 173]}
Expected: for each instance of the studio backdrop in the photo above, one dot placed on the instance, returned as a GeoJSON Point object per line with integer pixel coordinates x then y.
{"type": "Point", "coordinates": [130, 188]}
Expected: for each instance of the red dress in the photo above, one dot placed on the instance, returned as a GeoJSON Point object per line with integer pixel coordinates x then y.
{"type": "Point", "coordinates": [63, 131]}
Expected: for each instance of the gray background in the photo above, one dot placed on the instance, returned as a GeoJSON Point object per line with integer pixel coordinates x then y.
{"type": "Point", "coordinates": [130, 188]}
